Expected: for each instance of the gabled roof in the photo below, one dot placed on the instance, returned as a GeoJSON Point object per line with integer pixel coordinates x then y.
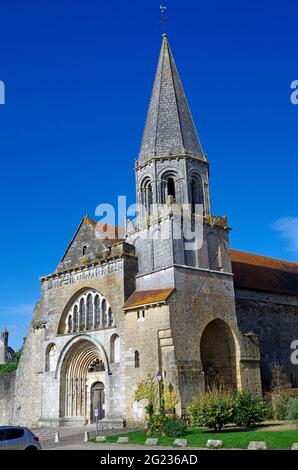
{"type": "Point", "coordinates": [114, 234]}
{"type": "Point", "coordinates": [264, 274]}
{"type": "Point", "coordinates": [169, 127]}
{"type": "Point", "coordinates": [147, 297]}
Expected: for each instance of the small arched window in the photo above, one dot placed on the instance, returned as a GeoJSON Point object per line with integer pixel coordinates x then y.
{"type": "Point", "coordinates": [197, 193]}
{"type": "Point", "coordinates": [171, 187]}
{"type": "Point", "coordinates": [97, 311]}
{"type": "Point", "coordinates": [137, 359]}
{"type": "Point", "coordinates": [50, 358]}
{"type": "Point", "coordinates": [89, 312]}
{"type": "Point", "coordinates": [115, 349]}
{"type": "Point", "coordinates": [69, 324]}
{"type": "Point", "coordinates": [104, 307]}
{"type": "Point", "coordinates": [147, 196]}
{"type": "Point", "coordinates": [168, 187]}
{"type": "Point", "coordinates": [75, 318]}
{"type": "Point", "coordinates": [82, 315]}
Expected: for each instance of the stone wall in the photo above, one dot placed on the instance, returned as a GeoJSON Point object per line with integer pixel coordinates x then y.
{"type": "Point", "coordinates": [29, 375]}
{"type": "Point", "coordinates": [148, 332]}
{"type": "Point", "coordinates": [2, 352]}
{"type": "Point", "coordinates": [7, 387]}
{"type": "Point", "coordinates": [274, 318]}
{"type": "Point", "coordinates": [201, 298]}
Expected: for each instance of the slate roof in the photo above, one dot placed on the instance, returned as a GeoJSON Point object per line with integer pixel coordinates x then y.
{"type": "Point", "coordinates": [264, 274]}
{"type": "Point", "coordinates": [169, 129]}
{"type": "Point", "coordinates": [145, 297]}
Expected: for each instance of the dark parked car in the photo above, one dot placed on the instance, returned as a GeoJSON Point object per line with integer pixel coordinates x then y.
{"type": "Point", "coordinates": [17, 438]}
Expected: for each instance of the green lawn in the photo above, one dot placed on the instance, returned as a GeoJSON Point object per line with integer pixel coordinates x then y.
{"type": "Point", "coordinates": [232, 439]}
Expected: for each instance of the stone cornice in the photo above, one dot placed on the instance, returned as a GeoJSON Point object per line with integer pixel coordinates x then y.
{"type": "Point", "coordinates": [79, 269]}
{"type": "Point", "coordinates": [182, 266]}
{"type": "Point", "coordinates": [138, 165]}
{"type": "Point", "coordinates": [117, 251]}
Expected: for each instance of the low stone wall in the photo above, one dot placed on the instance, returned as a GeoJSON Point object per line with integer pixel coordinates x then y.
{"type": "Point", "coordinates": [7, 384]}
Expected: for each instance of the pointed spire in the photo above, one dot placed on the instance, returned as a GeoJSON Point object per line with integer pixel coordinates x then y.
{"type": "Point", "coordinates": [169, 129]}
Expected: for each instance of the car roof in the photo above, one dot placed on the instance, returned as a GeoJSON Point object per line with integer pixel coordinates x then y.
{"type": "Point", "coordinates": [12, 427]}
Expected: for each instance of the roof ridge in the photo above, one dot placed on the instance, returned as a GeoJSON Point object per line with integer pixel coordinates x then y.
{"type": "Point", "coordinates": [294, 263]}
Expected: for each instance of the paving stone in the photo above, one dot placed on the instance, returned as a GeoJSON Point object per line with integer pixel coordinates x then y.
{"type": "Point", "coordinates": [151, 442]}
{"type": "Point", "coordinates": [214, 444]}
{"type": "Point", "coordinates": [180, 442]}
{"type": "Point", "coordinates": [255, 445]}
{"type": "Point", "coordinates": [122, 440]}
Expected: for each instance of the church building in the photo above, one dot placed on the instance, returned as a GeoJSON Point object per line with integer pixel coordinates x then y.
{"type": "Point", "coordinates": [135, 303]}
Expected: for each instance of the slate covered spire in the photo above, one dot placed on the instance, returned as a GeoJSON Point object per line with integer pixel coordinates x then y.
{"type": "Point", "coordinates": [169, 129]}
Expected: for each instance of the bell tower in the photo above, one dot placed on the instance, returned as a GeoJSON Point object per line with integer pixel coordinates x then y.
{"type": "Point", "coordinates": [172, 173]}
{"type": "Point", "coordinates": [171, 161]}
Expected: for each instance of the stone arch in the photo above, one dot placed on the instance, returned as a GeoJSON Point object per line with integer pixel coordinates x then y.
{"type": "Point", "coordinates": [115, 349]}
{"type": "Point", "coordinates": [75, 365]}
{"type": "Point", "coordinates": [72, 342]}
{"type": "Point", "coordinates": [146, 196]}
{"type": "Point", "coordinates": [169, 185]}
{"type": "Point", "coordinates": [220, 355]}
{"type": "Point", "coordinates": [196, 190]}
{"type": "Point", "coordinates": [50, 357]}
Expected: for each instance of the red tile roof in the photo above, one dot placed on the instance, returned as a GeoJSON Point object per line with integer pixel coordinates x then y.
{"type": "Point", "coordinates": [264, 274]}
{"type": "Point", "coordinates": [145, 297]}
{"type": "Point", "coordinates": [114, 234]}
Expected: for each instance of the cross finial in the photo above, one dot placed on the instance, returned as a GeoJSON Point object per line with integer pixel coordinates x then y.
{"type": "Point", "coordinates": [164, 18]}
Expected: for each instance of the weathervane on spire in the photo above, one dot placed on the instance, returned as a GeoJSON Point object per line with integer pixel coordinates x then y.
{"type": "Point", "coordinates": [164, 18]}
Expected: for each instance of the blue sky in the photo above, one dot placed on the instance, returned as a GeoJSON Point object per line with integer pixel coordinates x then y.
{"type": "Point", "coordinates": [78, 79]}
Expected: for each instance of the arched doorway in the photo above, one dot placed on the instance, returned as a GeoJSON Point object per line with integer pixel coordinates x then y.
{"type": "Point", "coordinates": [218, 355]}
{"type": "Point", "coordinates": [82, 365]}
{"type": "Point", "coordinates": [97, 401]}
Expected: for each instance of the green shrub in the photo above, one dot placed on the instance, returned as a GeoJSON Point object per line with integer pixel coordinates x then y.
{"type": "Point", "coordinates": [280, 403]}
{"type": "Point", "coordinates": [8, 368]}
{"type": "Point", "coordinates": [214, 409]}
{"type": "Point", "coordinates": [280, 411]}
{"type": "Point", "coordinates": [174, 427]}
{"type": "Point", "coordinates": [249, 410]}
{"type": "Point", "coordinates": [155, 424]}
{"type": "Point", "coordinates": [292, 410]}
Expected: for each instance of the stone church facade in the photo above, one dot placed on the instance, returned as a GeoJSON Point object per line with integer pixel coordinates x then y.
{"type": "Point", "coordinates": [136, 303]}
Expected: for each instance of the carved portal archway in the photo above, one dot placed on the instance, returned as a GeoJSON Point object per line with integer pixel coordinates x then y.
{"type": "Point", "coordinates": [82, 366]}
{"type": "Point", "coordinates": [218, 355]}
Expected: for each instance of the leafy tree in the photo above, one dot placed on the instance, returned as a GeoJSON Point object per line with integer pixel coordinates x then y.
{"type": "Point", "coordinates": [147, 390]}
